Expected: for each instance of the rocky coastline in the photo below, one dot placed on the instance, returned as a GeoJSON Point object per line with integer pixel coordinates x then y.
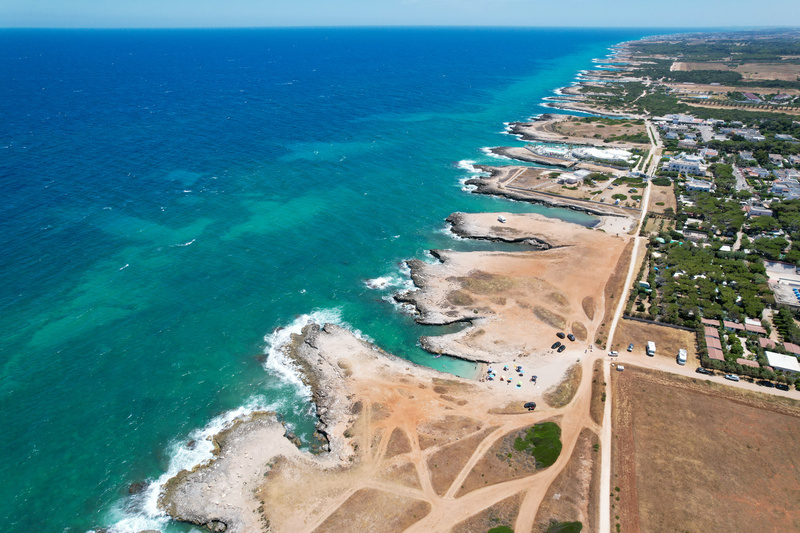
{"type": "Point", "coordinates": [491, 186]}
{"type": "Point", "coordinates": [510, 301]}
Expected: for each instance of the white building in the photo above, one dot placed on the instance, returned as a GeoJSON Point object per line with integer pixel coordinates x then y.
{"type": "Point", "coordinates": [686, 164]}
{"type": "Point", "coordinates": [787, 363]}
{"type": "Point", "coordinates": [698, 185]}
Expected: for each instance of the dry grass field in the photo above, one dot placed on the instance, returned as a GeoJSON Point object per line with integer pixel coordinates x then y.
{"type": "Point", "coordinates": [613, 291]}
{"type": "Point", "coordinates": [722, 89]}
{"type": "Point", "coordinates": [690, 455]}
{"type": "Point", "coordinates": [668, 340]}
{"type": "Point", "coordinates": [662, 195]}
{"type": "Point", "coordinates": [685, 66]}
{"type": "Point", "coordinates": [575, 127]}
{"type": "Point", "coordinates": [769, 71]}
{"type": "Point", "coordinates": [655, 225]}
{"type": "Point", "coordinates": [573, 495]}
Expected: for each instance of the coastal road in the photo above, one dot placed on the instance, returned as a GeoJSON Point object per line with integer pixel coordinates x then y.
{"type": "Point", "coordinates": [605, 437]}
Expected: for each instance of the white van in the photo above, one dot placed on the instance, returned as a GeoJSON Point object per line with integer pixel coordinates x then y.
{"type": "Point", "coordinates": [651, 348]}
{"type": "Point", "coordinates": [681, 356]}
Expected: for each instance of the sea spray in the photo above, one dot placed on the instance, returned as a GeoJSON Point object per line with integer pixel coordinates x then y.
{"type": "Point", "coordinates": [141, 512]}
{"type": "Point", "coordinates": [280, 364]}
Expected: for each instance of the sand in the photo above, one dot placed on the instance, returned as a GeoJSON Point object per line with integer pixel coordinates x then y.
{"type": "Point", "coordinates": [403, 439]}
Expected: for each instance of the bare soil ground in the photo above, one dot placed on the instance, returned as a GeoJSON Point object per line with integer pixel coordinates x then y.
{"type": "Point", "coordinates": [614, 290]}
{"type": "Point", "coordinates": [430, 453]}
{"type": "Point", "coordinates": [655, 224]}
{"type": "Point", "coordinates": [500, 463]}
{"type": "Point", "coordinates": [726, 89]}
{"type": "Point", "coordinates": [662, 194]}
{"type": "Point", "coordinates": [388, 512]}
{"type": "Point", "coordinates": [572, 497]}
{"type": "Point", "coordinates": [692, 457]}
{"type": "Point", "coordinates": [761, 109]}
{"type": "Point", "coordinates": [769, 71]}
{"type": "Point", "coordinates": [562, 393]}
{"type": "Point", "coordinates": [521, 299]}
{"type": "Point", "coordinates": [682, 67]}
{"type": "Point", "coordinates": [503, 513]}
{"type": "Point", "coordinates": [445, 464]}
{"type": "Point", "coordinates": [598, 393]}
{"type": "Point", "coordinates": [576, 127]}
{"type": "Point", "coordinates": [668, 341]}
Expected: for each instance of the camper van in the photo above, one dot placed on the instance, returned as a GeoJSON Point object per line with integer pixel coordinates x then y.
{"type": "Point", "coordinates": [651, 348]}
{"type": "Point", "coordinates": [681, 356]}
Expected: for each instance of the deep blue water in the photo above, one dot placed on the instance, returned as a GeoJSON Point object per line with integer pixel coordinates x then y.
{"type": "Point", "coordinates": [170, 198]}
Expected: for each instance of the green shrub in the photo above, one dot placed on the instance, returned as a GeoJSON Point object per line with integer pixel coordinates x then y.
{"type": "Point", "coordinates": [543, 442]}
{"type": "Point", "coordinates": [565, 527]}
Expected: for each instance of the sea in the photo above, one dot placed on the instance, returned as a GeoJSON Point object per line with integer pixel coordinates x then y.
{"type": "Point", "coordinates": [177, 203]}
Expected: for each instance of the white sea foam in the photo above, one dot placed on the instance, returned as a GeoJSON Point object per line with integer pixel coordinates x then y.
{"type": "Point", "coordinates": [488, 151]}
{"type": "Point", "coordinates": [379, 283]}
{"type": "Point", "coordinates": [398, 281]}
{"type": "Point", "coordinates": [279, 363]}
{"type": "Point", "coordinates": [447, 229]}
{"type": "Point", "coordinates": [141, 511]}
{"type": "Point", "coordinates": [403, 307]}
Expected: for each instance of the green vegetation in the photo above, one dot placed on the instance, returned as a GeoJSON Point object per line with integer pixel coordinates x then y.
{"type": "Point", "coordinates": [543, 442]}
{"type": "Point", "coordinates": [723, 178]}
{"type": "Point", "coordinates": [690, 282]}
{"type": "Point", "coordinates": [501, 529]}
{"type": "Point", "coordinates": [784, 321]}
{"type": "Point", "coordinates": [564, 527]}
{"type": "Point", "coordinates": [662, 182]}
{"type": "Point", "coordinates": [725, 215]}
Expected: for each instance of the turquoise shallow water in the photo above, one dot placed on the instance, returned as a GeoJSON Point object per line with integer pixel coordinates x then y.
{"type": "Point", "coordinates": [173, 197]}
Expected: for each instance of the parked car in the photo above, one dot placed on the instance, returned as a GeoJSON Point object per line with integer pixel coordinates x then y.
{"type": "Point", "coordinates": [765, 383]}
{"type": "Point", "coordinates": [732, 377]}
{"type": "Point", "coordinates": [630, 347]}
{"type": "Point", "coordinates": [562, 348]}
{"type": "Point", "coordinates": [571, 337]}
{"type": "Point", "coordinates": [782, 386]}
{"type": "Point", "coordinates": [701, 370]}
{"type": "Point", "coordinates": [560, 335]}
{"type": "Point", "coordinates": [555, 345]}
{"type": "Point", "coordinates": [530, 406]}
{"type": "Point", "coordinates": [613, 354]}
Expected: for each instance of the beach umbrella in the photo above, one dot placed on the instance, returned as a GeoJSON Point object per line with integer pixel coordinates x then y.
{"type": "Point", "coordinates": [519, 384]}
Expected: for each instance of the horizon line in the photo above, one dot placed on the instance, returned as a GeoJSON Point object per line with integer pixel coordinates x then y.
{"type": "Point", "coordinates": [414, 26]}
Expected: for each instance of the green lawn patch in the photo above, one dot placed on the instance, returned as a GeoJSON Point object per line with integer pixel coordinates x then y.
{"type": "Point", "coordinates": [501, 529]}
{"type": "Point", "coordinates": [543, 442]}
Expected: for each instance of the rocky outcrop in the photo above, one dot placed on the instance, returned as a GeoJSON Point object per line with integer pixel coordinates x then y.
{"type": "Point", "coordinates": [489, 186]}
{"type": "Point", "coordinates": [219, 494]}
{"type": "Point", "coordinates": [461, 226]}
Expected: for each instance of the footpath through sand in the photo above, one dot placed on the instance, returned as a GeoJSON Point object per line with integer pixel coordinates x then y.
{"type": "Point", "coordinates": [410, 448]}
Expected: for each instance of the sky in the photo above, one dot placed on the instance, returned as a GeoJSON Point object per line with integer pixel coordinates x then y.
{"type": "Point", "coordinates": [267, 13]}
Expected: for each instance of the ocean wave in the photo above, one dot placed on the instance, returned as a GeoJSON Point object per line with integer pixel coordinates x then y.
{"type": "Point", "coordinates": [140, 512]}
{"type": "Point", "coordinates": [279, 363]}
{"type": "Point", "coordinates": [403, 307]}
{"type": "Point", "coordinates": [447, 229]}
{"type": "Point", "coordinates": [488, 151]}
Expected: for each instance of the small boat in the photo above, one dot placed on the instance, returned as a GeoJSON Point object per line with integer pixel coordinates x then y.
{"type": "Point", "coordinates": [502, 219]}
